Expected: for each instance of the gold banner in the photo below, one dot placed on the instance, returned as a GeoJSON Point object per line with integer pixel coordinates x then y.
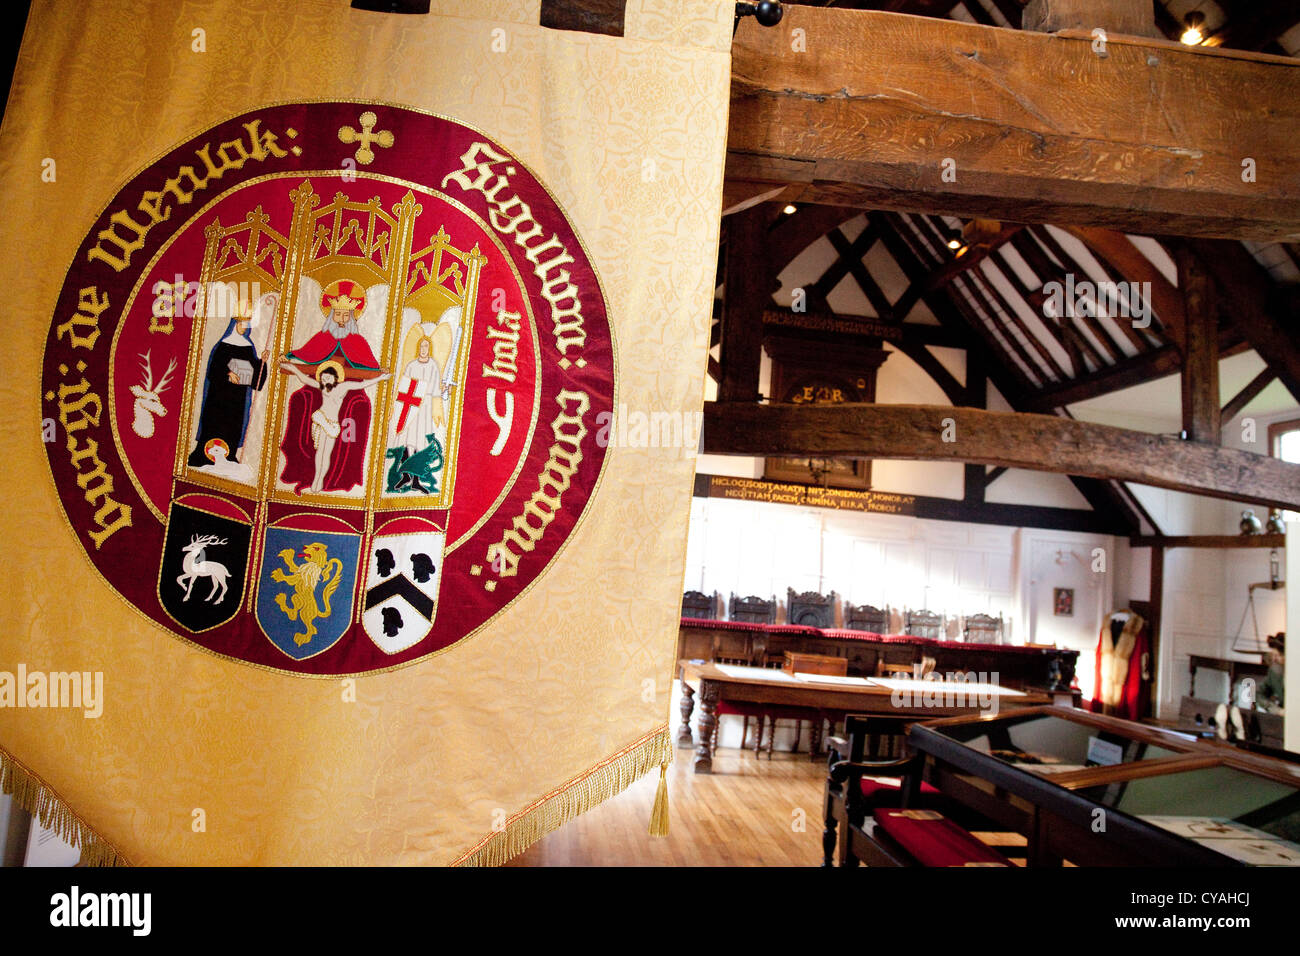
{"type": "Point", "coordinates": [535, 212]}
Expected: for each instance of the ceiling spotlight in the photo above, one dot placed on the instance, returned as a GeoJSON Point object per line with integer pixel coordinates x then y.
{"type": "Point", "coordinates": [789, 210]}
{"type": "Point", "coordinates": [1193, 28]}
{"type": "Point", "coordinates": [954, 244]}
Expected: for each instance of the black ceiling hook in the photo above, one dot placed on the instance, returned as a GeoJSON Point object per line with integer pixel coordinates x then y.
{"type": "Point", "coordinates": [767, 12]}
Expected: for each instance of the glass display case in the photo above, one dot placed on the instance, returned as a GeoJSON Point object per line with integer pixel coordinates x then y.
{"type": "Point", "coordinates": [1097, 790]}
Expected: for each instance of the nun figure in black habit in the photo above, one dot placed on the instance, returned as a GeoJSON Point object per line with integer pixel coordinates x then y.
{"type": "Point", "coordinates": [234, 372]}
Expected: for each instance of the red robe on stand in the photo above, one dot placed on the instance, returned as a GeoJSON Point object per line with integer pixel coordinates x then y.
{"type": "Point", "coordinates": [1124, 667]}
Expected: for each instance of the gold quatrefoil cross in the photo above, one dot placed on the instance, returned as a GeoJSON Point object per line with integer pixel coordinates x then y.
{"type": "Point", "coordinates": [364, 154]}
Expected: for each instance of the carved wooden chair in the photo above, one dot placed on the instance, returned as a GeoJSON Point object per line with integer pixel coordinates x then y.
{"type": "Point", "coordinates": [865, 617]}
{"type": "Point", "coordinates": [923, 624]}
{"type": "Point", "coordinates": [810, 609]}
{"type": "Point", "coordinates": [697, 604]}
{"type": "Point", "coordinates": [983, 629]}
{"type": "Point", "coordinates": [752, 610]}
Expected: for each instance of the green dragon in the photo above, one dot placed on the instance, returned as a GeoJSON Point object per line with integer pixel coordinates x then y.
{"type": "Point", "coordinates": [414, 472]}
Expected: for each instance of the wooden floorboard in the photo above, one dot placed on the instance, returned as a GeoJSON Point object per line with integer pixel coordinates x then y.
{"type": "Point", "coordinates": [743, 814]}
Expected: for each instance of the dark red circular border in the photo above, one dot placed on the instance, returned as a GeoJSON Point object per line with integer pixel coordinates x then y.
{"type": "Point", "coordinates": [427, 147]}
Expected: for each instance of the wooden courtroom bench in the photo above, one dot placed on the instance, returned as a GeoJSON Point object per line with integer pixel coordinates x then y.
{"type": "Point", "coordinates": [880, 812]}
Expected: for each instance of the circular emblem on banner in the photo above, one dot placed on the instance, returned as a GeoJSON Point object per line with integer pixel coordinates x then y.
{"type": "Point", "coordinates": [322, 389]}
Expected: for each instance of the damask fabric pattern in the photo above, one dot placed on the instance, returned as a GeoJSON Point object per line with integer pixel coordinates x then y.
{"type": "Point", "coordinates": [197, 752]}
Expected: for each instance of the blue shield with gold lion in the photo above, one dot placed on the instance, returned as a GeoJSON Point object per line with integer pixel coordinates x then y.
{"type": "Point", "coordinates": [307, 582]}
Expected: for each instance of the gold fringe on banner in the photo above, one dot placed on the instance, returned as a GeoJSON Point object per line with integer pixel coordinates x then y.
{"type": "Point", "coordinates": [39, 799]}
{"type": "Point", "coordinates": [659, 815]}
{"type": "Point", "coordinates": [608, 778]}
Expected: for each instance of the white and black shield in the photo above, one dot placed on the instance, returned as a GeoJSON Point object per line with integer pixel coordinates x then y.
{"type": "Point", "coordinates": [404, 566]}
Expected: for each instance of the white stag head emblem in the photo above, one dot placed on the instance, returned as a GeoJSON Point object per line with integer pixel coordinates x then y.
{"type": "Point", "coordinates": [147, 400]}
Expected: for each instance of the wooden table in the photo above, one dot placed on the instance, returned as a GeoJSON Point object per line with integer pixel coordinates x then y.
{"type": "Point", "coordinates": [868, 654]}
{"type": "Point", "coordinates": [1078, 813]}
{"type": "Point", "coordinates": [832, 698]}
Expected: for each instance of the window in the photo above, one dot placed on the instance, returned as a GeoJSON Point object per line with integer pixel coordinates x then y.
{"type": "Point", "coordinates": [1284, 443]}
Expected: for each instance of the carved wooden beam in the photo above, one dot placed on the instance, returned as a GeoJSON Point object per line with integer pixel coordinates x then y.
{"type": "Point", "coordinates": [866, 109]}
{"type": "Point", "coordinates": [1016, 440]}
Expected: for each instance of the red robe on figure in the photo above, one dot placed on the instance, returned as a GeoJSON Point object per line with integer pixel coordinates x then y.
{"type": "Point", "coordinates": [351, 350]}
{"type": "Point", "coordinates": [1124, 667]}
{"type": "Point", "coordinates": [348, 459]}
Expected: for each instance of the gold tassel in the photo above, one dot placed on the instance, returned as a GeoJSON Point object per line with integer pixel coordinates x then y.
{"type": "Point", "coordinates": [608, 778]}
{"type": "Point", "coordinates": [32, 794]}
{"type": "Point", "coordinates": [659, 815]}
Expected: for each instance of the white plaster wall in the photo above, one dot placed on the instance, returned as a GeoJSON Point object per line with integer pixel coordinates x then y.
{"type": "Point", "coordinates": [955, 568]}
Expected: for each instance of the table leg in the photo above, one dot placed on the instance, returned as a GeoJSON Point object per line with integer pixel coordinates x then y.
{"type": "Point", "coordinates": [709, 693]}
{"type": "Point", "coordinates": [815, 738]}
{"type": "Point", "coordinates": [758, 741]}
{"type": "Point", "coordinates": [684, 738]}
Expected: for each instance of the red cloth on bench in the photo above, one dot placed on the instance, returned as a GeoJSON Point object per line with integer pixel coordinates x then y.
{"type": "Point", "coordinates": [886, 791]}
{"type": "Point", "coordinates": [934, 840]}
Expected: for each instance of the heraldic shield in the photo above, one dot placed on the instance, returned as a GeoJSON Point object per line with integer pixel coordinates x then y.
{"type": "Point", "coordinates": [204, 561]}
{"type": "Point", "coordinates": [402, 576]}
{"type": "Point", "coordinates": [306, 583]}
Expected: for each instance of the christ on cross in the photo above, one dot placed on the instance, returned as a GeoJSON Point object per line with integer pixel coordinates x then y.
{"type": "Point", "coordinates": [325, 424]}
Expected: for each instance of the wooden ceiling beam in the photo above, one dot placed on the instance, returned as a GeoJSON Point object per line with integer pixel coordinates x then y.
{"type": "Point", "coordinates": [793, 233]}
{"type": "Point", "coordinates": [1106, 498]}
{"type": "Point", "coordinates": [835, 273]}
{"type": "Point", "coordinates": [1209, 541]}
{"type": "Point", "coordinates": [1133, 266]}
{"type": "Point", "coordinates": [1105, 347]}
{"type": "Point", "coordinates": [1040, 239]}
{"type": "Point", "coordinates": [1257, 310]}
{"type": "Point", "coordinates": [952, 311]}
{"type": "Point", "coordinates": [1123, 374]}
{"type": "Point", "coordinates": [1016, 440]}
{"type": "Point", "coordinates": [997, 308]}
{"type": "Point", "coordinates": [747, 291]}
{"type": "Point", "coordinates": [1003, 323]}
{"type": "Point", "coordinates": [952, 389]}
{"type": "Point", "coordinates": [1200, 371]}
{"type": "Point", "coordinates": [851, 255]}
{"type": "Point", "coordinates": [870, 113]}
{"type": "Point", "coordinates": [940, 277]}
{"type": "Point", "coordinates": [1113, 16]}
{"type": "Point", "coordinates": [1237, 404]}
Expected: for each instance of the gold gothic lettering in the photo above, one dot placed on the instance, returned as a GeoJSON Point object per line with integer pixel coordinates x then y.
{"type": "Point", "coordinates": [80, 408]}
{"type": "Point", "coordinates": [540, 510]}
{"type": "Point", "coordinates": [127, 236]}
{"type": "Point", "coordinates": [89, 308]}
{"type": "Point", "coordinates": [511, 215]}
